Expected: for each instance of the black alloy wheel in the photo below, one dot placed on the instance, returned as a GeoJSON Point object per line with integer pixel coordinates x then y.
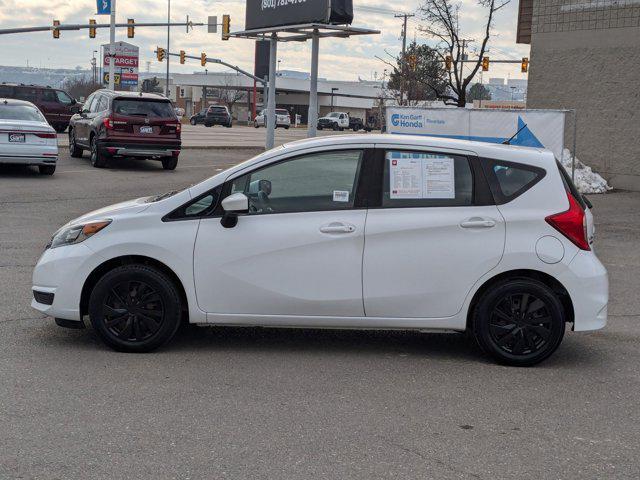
{"type": "Point", "coordinates": [135, 308]}
{"type": "Point", "coordinates": [74, 150]}
{"type": "Point", "coordinates": [519, 322]}
{"type": "Point", "coordinates": [97, 159]}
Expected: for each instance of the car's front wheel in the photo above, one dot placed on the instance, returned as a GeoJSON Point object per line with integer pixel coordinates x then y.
{"type": "Point", "coordinates": [135, 308]}
{"type": "Point", "coordinates": [193, 121]}
{"type": "Point", "coordinates": [519, 322]}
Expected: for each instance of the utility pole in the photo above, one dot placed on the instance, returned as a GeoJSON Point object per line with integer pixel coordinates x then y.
{"type": "Point", "coordinates": [404, 17]}
{"type": "Point", "coordinates": [464, 44]}
{"type": "Point", "coordinates": [112, 47]}
{"type": "Point", "coordinates": [168, 33]}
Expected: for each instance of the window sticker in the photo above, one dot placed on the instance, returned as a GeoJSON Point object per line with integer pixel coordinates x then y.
{"type": "Point", "coordinates": [420, 175]}
{"type": "Point", "coordinates": [340, 196]}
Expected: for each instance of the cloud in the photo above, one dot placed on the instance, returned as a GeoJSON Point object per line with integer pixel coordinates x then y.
{"type": "Point", "coordinates": [340, 58]}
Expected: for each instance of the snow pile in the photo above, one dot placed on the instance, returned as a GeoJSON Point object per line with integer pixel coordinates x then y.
{"type": "Point", "coordinates": [586, 180]}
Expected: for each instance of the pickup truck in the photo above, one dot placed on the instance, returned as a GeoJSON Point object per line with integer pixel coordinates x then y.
{"type": "Point", "coordinates": [340, 121]}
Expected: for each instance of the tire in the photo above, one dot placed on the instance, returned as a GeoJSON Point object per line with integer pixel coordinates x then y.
{"type": "Point", "coordinates": [208, 125]}
{"type": "Point", "coordinates": [46, 169]}
{"type": "Point", "coordinates": [60, 128]}
{"type": "Point", "coordinates": [169, 163]}
{"type": "Point", "coordinates": [125, 324]}
{"type": "Point", "coordinates": [229, 125]}
{"type": "Point", "coordinates": [193, 121]}
{"type": "Point", "coordinates": [336, 127]}
{"type": "Point", "coordinates": [286, 127]}
{"type": "Point", "coordinates": [255, 124]}
{"type": "Point", "coordinates": [97, 159]}
{"type": "Point", "coordinates": [319, 127]}
{"type": "Point", "coordinates": [74, 150]}
{"type": "Point", "coordinates": [519, 322]}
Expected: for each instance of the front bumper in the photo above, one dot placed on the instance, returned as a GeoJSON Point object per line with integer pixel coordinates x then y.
{"type": "Point", "coordinates": [61, 272]}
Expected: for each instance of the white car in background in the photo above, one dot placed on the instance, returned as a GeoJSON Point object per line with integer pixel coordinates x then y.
{"type": "Point", "coordinates": [26, 138]}
{"type": "Point", "coordinates": [376, 232]}
{"type": "Point", "coordinates": [283, 119]}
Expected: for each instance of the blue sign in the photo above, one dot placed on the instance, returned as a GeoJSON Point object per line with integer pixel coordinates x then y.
{"type": "Point", "coordinates": [104, 7]}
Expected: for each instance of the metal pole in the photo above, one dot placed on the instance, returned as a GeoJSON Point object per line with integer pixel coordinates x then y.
{"type": "Point", "coordinates": [573, 158]}
{"type": "Point", "coordinates": [112, 47]}
{"type": "Point", "coordinates": [312, 117]}
{"type": "Point", "coordinates": [271, 103]}
{"type": "Point", "coordinates": [168, 35]}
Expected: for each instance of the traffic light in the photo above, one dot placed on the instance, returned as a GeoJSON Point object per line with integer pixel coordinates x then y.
{"type": "Point", "coordinates": [413, 62]}
{"type": "Point", "coordinates": [160, 52]}
{"type": "Point", "coordinates": [226, 26]}
{"type": "Point", "coordinates": [92, 30]}
{"type": "Point", "coordinates": [203, 59]}
{"type": "Point", "coordinates": [182, 57]}
{"type": "Point", "coordinates": [56, 31]}
{"type": "Point", "coordinates": [447, 62]}
{"type": "Point", "coordinates": [485, 64]}
{"type": "Point", "coordinates": [130, 29]}
{"type": "Point", "coordinates": [524, 67]}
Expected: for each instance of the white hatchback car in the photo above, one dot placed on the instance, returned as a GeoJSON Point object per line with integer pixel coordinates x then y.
{"type": "Point", "coordinates": [384, 232]}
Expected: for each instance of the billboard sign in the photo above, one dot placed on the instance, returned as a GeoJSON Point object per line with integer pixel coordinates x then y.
{"type": "Point", "coordinates": [103, 7]}
{"type": "Point", "coordinates": [536, 128]}
{"type": "Point", "coordinates": [277, 13]}
{"type": "Point", "coordinates": [127, 58]}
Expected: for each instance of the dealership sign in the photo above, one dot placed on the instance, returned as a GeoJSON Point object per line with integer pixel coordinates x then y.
{"type": "Point", "coordinates": [535, 128]}
{"type": "Point", "coordinates": [276, 13]}
{"type": "Point", "coordinates": [126, 60]}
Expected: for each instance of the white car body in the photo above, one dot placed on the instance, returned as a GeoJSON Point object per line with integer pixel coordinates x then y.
{"type": "Point", "coordinates": [340, 119]}
{"type": "Point", "coordinates": [27, 142]}
{"type": "Point", "coordinates": [382, 268]}
{"type": "Point", "coordinates": [283, 119]}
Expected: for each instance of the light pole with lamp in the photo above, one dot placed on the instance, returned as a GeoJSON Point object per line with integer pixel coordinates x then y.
{"type": "Point", "coordinates": [168, 50]}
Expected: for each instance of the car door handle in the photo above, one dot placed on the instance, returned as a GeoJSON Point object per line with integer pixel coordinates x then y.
{"type": "Point", "coordinates": [338, 227]}
{"type": "Point", "coordinates": [477, 222]}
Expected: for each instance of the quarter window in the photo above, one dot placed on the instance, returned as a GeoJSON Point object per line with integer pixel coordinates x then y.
{"type": "Point", "coordinates": [314, 182]}
{"type": "Point", "coordinates": [510, 180]}
{"type": "Point", "coordinates": [422, 179]}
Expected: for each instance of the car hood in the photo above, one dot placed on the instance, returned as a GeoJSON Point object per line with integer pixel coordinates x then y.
{"type": "Point", "coordinates": [118, 209]}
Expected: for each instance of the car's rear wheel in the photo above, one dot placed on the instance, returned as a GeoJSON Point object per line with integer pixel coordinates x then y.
{"type": "Point", "coordinates": [286, 127]}
{"type": "Point", "coordinates": [255, 124]}
{"type": "Point", "coordinates": [60, 127]}
{"type": "Point", "coordinates": [98, 160]}
{"type": "Point", "coordinates": [46, 169]}
{"type": "Point", "coordinates": [135, 308]}
{"type": "Point", "coordinates": [74, 150]}
{"type": "Point", "coordinates": [193, 121]}
{"type": "Point", "coordinates": [519, 322]}
{"type": "Point", "coordinates": [169, 163]}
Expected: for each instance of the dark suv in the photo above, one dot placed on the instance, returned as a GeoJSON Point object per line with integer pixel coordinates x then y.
{"type": "Point", "coordinates": [56, 105]}
{"type": "Point", "coordinates": [218, 115]}
{"type": "Point", "coordinates": [126, 124]}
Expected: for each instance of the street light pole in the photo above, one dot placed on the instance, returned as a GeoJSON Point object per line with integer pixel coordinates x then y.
{"type": "Point", "coordinates": [112, 47]}
{"type": "Point", "coordinates": [168, 50]}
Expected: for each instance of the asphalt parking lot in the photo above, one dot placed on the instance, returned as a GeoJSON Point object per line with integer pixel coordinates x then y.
{"type": "Point", "coordinates": [296, 404]}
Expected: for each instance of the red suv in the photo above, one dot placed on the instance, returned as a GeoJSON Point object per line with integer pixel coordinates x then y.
{"type": "Point", "coordinates": [126, 124]}
{"type": "Point", "coordinates": [56, 105]}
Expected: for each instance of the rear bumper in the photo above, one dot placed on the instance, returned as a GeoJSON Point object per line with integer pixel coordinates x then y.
{"type": "Point", "coordinates": [142, 150]}
{"type": "Point", "coordinates": [28, 160]}
{"type": "Point", "coordinates": [216, 121]}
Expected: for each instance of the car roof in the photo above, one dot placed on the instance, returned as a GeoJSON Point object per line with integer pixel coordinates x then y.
{"type": "Point", "coordinates": [13, 101]}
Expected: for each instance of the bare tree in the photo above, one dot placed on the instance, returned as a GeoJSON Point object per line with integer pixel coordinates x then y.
{"type": "Point", "coordinates": [441, 22]}
{"type": "Point", "coordinates": [230, 94]}
{"type": "Point", "coordinates": [80, 86]}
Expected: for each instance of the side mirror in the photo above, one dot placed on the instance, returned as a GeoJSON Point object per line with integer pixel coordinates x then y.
{"type": "Point", "coordinates": [233, 205]}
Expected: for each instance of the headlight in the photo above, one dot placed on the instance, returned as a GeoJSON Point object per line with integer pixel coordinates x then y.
{"type": "Point", "coordinates": [76, 233]}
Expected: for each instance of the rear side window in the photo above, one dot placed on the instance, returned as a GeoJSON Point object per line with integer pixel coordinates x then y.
{"type": "Point", "coordinates": [143, 108]}
{"type": "Point", "coordinates": [509, 180]}
{"type": "Point", "coordinates": [421, 179]}
{"type": "Point", "coordinates": [25, 93]}
{"type": "Point", "coordinates": [6, 91]}
{"type": "Point", "coordinates": [48, 96]}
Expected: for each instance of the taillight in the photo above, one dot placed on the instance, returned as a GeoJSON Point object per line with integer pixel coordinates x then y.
{"type": "Point", "coordinates": [45, 135]}
{"type": "Point", "coordinates": [572, 223]}
{"type": "Point", "coordinates": [108, 123]}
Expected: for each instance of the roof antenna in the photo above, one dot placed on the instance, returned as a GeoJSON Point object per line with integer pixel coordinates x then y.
{"type": "Point", "coordinates": [508, 142]}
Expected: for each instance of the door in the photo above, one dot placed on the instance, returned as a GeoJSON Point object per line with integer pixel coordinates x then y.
{"type": "Point", "coordinates": [298, 251]}
{"type": "Point", "coordinates": [81, 122]}
{"type": "Point", "coordinates": [434, 234]}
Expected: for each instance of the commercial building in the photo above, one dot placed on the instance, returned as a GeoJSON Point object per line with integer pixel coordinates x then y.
{"type": "Point", "coordinates": [194, 92]}
{"type": "Point", "coordinates": [585, 55]}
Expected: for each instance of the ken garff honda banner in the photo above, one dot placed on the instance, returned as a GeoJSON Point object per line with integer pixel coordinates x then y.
{"type": "Point", "coordinates": [535, 128]}
{"type": "Point", "coordinates": [104, 7]}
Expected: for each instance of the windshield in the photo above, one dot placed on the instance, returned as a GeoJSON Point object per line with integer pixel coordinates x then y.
{"type": "Point", "coordinates": [282, 112]}
{"type": "Point", "coordinates": [143, 108]}
{"type": "Point", "coordinates": [20, 112]}
{"type": "Point", "coordinates": [333, 115]}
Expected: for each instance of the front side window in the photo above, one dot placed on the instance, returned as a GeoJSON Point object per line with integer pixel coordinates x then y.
{"type": "Point", "coordinates": [313, 182]}
{"type": "Point", "coordinates": [63, 97]}
{"type": "Point", "coordinates": [421, 179]}
{"type": "Point", "coordinates": [96, 103]}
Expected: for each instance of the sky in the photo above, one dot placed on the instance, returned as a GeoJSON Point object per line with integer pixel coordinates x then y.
{"type": "Point", "coordinates": [340, 59]}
